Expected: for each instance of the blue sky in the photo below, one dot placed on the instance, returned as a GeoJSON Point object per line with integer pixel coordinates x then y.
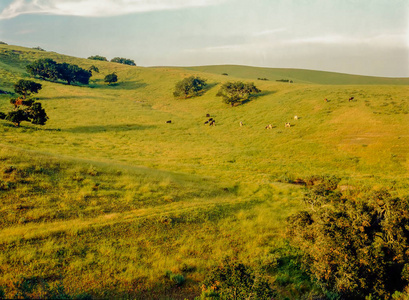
{"type": "Point", "coordinates": [368, 37]}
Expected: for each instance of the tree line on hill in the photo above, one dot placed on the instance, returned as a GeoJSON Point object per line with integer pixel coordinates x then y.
{"type": "Point", "coordinates": [120, 60]}
{"type": "Point", "coordinates": [233, 93]}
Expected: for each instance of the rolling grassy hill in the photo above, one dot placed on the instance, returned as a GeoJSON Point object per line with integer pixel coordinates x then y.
{"type": "Point", "coordinates": [298, 75]}
{"type": "Point", "coordinates": [107, 196]}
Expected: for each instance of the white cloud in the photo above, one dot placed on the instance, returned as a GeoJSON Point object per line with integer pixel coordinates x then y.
{"type": "Point", "coordinates": [97, 8]}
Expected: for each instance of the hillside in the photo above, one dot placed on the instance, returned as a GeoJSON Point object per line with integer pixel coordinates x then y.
{"type": "Point", "coordinates": [107, 196]}
{"type": "Point", "coordinates": [299, 75]}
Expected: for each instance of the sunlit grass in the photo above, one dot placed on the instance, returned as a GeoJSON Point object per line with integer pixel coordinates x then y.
{"type": "Point", "coordinates": [107, 197]}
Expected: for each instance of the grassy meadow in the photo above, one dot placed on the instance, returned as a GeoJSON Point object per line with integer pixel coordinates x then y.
{"type": "Point", "coordinates": [107, 197]}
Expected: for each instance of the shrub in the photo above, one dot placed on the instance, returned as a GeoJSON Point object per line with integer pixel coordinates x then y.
{"type": "Point", "coordinates": [234, 280]}
{"type": "Point", "coordinates": [354, 246]}
{"type": "Point", "coordinates": [98, 57]}
{"type": "Point", "coordinates": [125, 61]}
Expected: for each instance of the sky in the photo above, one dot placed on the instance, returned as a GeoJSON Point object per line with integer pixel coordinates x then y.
{"type": "Point", "coordinates": [365, 37]}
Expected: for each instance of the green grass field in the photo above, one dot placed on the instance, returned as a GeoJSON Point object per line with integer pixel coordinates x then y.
{"type": "Point", "coordinates": [107, 197]}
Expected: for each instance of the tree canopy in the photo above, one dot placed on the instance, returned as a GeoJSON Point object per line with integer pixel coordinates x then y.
{"type": "Point", "coordinates": [26, 110]}
{"type": "Point", "coordinates": [26, 87]}
{"type": "Point", "coordinates": [237, 92]}
{"type": "Point", "coordinates": [98, 57]}
{"type": "Point", "coordinates": [111, 78]}
{"type": "Point", "coordinates": [189, 87]}
{"type": "Point", "coordinates": [125, 61]}
{"type": "Point", "coordinates": [354, 245]}
{"type": "Point", "coordinates": [51, 70]}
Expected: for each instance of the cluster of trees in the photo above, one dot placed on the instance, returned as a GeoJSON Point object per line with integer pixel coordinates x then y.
{"type": "Point", "coordinates": [356, 246]}
{"type": "Point", "coordinates": [26, 109]}
{"type": "Point", "coordinates": [121, 60]}
{"type": "Point", "coordinates": [49, 69]}
{"type": "Point", "coordinates": [233, 93]}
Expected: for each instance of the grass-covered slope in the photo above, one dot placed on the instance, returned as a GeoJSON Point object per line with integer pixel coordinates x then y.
{"type": "Point", "coordinates": [298, 75]}
{"type": "Point", "coordinates": [107, 196]}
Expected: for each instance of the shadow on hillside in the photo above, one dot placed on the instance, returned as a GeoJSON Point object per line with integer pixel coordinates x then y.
{"type": "Point", "coordinates": [123, 85]}
{"type": "Point", "coordinates": [109, 128]}
{"type": "Point", "coordinates": [65, 97]}
{"type": "Point", "coordinates": [261, 94]}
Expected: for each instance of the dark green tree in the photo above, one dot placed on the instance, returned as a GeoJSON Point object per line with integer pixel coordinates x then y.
{"type": "Point", "coordinates": [93, 69]}
{"type": "Point", "coordinates": [237, 92]}
{"type": "Point", "coordinates": [354, 245]}
{"type": "Point", "coordinates": [44, 68]}
{"type": "Point", "coordinates": [29, 111]}
{"type": "Point", "coordinates": [111, 78]}
{"type": "Point", "coordinates": [98, 57]}
{"type": "Point", "coordinates": [125, 61]}
{"type": "Point", "coordinates": [26, 87]}
{"type": "Point", "coordinates": [189, 87]}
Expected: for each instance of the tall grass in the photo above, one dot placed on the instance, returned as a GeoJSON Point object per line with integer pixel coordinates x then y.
{"type": "Point", "coordinates": [107, 197]}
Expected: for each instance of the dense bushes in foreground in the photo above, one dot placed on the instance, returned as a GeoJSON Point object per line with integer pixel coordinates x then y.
{"type": "Point", "coordinates": [356, 246]}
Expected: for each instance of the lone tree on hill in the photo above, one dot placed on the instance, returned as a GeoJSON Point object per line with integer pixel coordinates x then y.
{"type": "Point", "coordinates": [98, 57]}
{"type": "Point", "coordinates": [125, 61]}
{"type": "Point", "coordinates": [26, 87]}
{"type": "Point", "coordinates": [111, 78]}
{"type": "Point", "coordinates": [189, 87]}
{"type": "Point", "coordinates": [235, 93]}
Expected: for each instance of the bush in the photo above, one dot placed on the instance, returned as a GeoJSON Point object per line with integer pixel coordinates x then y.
{"type": "Point", "coordinates": [234, 280]}
{"type": "Point", "coordinates": [354, 246]}
{"type": "Point", "coordinates": [98, 57]}
{"type": "Point", "coordinates": [125, 61]}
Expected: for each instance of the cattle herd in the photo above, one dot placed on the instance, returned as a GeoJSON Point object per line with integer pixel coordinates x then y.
{"type": "Point", "coordinates": [212, 122]}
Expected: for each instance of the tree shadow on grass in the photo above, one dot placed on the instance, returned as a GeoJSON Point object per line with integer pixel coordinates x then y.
{"type": "Point", "coordinates": [255, 96]}
{"type": "Point", "coordinates": [123, 85]}
{"type": "Point", "coordinates": [109, 128]}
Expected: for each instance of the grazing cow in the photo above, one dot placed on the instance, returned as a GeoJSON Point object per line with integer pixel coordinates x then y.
{"type": "Point", "coordinates": [269, 126]}
{"type": "Point", "coordinates": [211, 119]}
{"type": "Point", "coordinates": [212, 123]}
{"type": "Point", "coordinates": [207, 115]}
{"type": "Point", "coordinates": [350, 99]}
{"type": "Point", "coordinates": [326, 100]}
{"type": "Point", "coordinates": [287, 125]}
{"type": "Point", "coordinates": [241, 123]}
{"type": "Point", "coordinates": [295, 117]}
{"type": "Point", "coordinates": [170, 121]}
{"type": "Point", "coordinates": [207, 122]}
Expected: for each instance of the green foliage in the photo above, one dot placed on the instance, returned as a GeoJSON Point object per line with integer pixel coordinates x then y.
{"type": "Point", "coordinates": [29, 111]}
{"type": "Point", "coordinates": [93, 69]}
{"type": "Point", "coordinates": [355, 246]}
{"type": "Point", "coordinates": [3, 43]}
{"type": "Point", "coordinates": [38, 48]}
{"type": "Point", "coordinates": [111, 78]}
{"type": "Point", "coordinates": [2, 115]}
{"type": "Point", "coordinates": [125, 61]}
{"type": "Point", "coordinates": [234, 280]}
{"type": "Point", "coordinates": [189, 87]}
{"type": "Point", "coordinates": [37, 287]}
{"type": "Point", "coordinates": [237, 92]}
{"type": "Point", "coordinates": [49, 69]}
{"type": "Point", "coordinates": [98, 57]}
{"type": "Point", "coordinates": [45, 68]}
{"type": "Point", "coordinates": [26, 87]}
{"type": "Point", "coordinates": [177, 279]}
